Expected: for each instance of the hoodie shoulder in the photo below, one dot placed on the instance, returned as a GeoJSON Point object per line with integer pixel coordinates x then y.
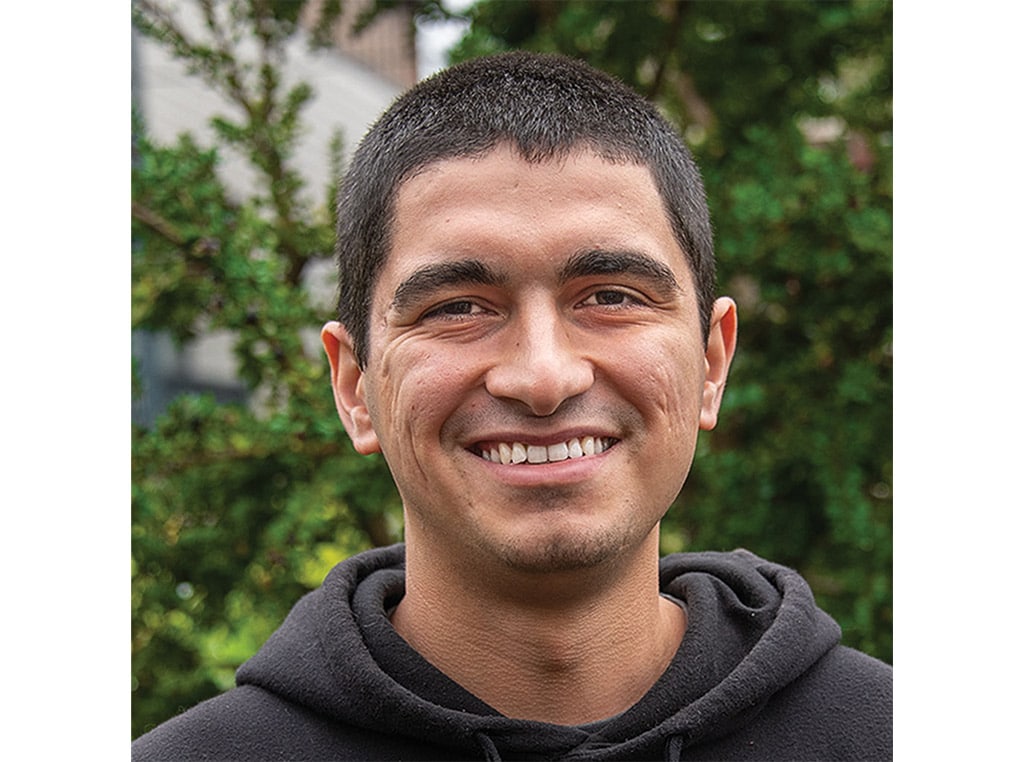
{"type": "Point", "coordinates": [230, 726]}
{"type": "Point", "coordinates": [856, 686]}
{"type": "Point", "coordinates": [249, 723]}
{"type": "Point", "coordinates": [842, 707]}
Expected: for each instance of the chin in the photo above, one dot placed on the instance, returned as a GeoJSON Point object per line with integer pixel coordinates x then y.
{"type": "Point", "coordinates": [565, 551]}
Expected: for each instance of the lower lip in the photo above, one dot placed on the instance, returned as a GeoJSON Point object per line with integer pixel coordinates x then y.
{"type": "Point", "coordinates": [557, 473]}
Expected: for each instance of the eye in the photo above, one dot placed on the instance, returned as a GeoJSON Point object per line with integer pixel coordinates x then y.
{"type": "Point", "coordinates": [454, 309]}
{"type": "Point", "coordinates": [610, 298]}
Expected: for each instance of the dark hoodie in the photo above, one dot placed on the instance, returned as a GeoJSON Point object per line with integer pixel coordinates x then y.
{"type": "Point", "coordinates": [759, 675]}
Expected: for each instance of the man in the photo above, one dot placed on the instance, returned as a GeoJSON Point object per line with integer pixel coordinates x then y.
{"type": "Point", "coordinates": [528, 332]}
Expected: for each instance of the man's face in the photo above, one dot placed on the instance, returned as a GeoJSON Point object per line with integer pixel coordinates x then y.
{"type": "Point", "coordinates": [536, 376]}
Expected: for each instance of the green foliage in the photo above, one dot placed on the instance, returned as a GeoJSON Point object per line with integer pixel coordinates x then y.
{"type": "Point", "coordinates": [237, 510]}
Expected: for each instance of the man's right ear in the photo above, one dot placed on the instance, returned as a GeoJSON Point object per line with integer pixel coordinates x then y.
{"type": "Point", "coordinates": [347, 381]}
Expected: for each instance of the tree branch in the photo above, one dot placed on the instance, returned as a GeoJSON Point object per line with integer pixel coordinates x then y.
{"type": "Point", "coordinates": [668, 44]}
{"type": "Point", "coordinates": [157, 223]}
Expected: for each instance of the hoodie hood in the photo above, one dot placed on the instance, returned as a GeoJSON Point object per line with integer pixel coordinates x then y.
{"type": "Point", "coordinates": [753, 628]}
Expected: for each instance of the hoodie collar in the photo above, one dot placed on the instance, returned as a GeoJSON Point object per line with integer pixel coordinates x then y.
{"type": "Point", "coordinates": [753, 628]}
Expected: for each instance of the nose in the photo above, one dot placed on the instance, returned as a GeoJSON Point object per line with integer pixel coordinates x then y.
{"type": "Point", "coordinates": [539, 365]}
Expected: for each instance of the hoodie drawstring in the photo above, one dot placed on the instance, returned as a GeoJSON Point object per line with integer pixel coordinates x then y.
{"type": "Point", "coordinates": [674, 749]}
{"type": "Point", "coordinates": [490, 750]}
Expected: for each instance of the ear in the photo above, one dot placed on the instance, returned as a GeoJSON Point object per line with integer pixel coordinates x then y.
{"type": "Point", "coordinates": [347, 381]}
{"type": "Point", "coordinates": [717, 358]}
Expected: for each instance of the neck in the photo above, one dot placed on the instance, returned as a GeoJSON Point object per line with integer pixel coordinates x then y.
{"type": "Point", "coordinates": [570, 648]}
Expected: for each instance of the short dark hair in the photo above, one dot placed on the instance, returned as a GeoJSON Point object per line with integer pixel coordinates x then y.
{"type": "Point", "coordinates": [545, 106]}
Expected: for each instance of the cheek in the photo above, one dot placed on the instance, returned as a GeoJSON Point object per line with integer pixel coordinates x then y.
{"type": "Point", "coordinates": [418, 389]}
{"type": "Point", "coordinates": [668, 396]}
{"type": "Point", "coordinates": [668, 382]}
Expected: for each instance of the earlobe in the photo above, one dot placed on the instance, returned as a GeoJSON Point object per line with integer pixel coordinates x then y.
{"type": "Point", "coordinates": [717, 359]}
{"type": "Point", "coordinates": [347, 383]}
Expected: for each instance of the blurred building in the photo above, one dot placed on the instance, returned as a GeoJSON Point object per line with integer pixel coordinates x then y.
{"type": "Point", "coordinates": [353, 82]}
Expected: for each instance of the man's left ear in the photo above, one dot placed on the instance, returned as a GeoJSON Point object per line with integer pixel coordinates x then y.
{"type": "Point", "coordinates": [717, 359]}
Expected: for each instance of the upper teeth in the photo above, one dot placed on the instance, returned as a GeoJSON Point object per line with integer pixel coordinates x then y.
{"type": "Point", "coordinates": [511, 453]}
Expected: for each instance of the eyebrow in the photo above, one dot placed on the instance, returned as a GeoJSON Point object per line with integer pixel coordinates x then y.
{"type": "Point", "coordinates": [429, 278]}
{"type": "Point", "coordinates": [599, 262]}
{"type": "Point", "coordinates": [425, 280]}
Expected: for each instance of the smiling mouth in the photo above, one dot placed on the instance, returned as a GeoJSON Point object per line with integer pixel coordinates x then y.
{"type": "Point", "coordinates": [514, 453]}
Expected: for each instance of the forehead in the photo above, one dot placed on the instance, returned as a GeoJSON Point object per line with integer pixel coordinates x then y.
{"type": "Point", "coordinates": [506, 168]}
{"type": "Point", "coordinates": [503, 203]}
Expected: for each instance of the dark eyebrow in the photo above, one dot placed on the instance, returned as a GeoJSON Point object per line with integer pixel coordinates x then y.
{"type": "Point", "coordinates": [429, 278]}
{"type": "Point", "coordinates": [598, 262]}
